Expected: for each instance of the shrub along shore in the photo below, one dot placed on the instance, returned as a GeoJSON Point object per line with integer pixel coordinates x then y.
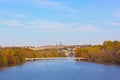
{"type": "Point", "coordinates": [16, 55]}
{"type": "Point", "coordinates": [107, 53]}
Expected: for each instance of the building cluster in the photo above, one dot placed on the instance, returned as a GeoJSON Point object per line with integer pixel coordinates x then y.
{"type": "Point", "coordinates": [68, 50]}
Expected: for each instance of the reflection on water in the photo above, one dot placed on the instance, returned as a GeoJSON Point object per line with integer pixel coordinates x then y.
{"type": "Point", "coordinates": [61, 70]}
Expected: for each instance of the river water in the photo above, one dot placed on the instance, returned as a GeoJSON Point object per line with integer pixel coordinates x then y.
{"type": "Point", "coordinates": [61, 70]}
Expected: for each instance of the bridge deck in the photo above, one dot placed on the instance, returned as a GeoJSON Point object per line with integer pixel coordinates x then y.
{"type": "Point", "coordinates": [56, 58]}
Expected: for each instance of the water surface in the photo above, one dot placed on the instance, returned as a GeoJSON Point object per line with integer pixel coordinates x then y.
{"type": "Point", "coordinates": [61, 70]}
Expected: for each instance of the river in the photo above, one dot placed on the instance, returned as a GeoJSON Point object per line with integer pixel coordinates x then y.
{"type": "Point", "coordinates": [61, 70]}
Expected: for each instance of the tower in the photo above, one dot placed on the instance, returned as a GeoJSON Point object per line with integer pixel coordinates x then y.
{"type": "Point", "coordinates": [60, 43]}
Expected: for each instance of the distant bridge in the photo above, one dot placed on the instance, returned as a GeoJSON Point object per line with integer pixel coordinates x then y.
{"type": "Point", "coordinates": [57, 58]}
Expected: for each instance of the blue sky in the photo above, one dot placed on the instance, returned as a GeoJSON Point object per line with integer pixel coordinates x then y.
{"type": "Point", "coordinates": [47, 22]}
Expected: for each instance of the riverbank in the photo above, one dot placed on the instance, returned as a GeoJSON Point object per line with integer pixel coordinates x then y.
{"type": "Point", "coordinates": [107, 53]}
{"type": "Point", "coordinates": [13, 56]}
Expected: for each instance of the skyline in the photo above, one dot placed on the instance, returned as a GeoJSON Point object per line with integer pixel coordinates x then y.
{"type": "Point", "coordinates": [47, 22]}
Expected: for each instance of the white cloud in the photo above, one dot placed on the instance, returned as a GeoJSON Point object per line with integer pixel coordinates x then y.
{"type": "Point", "coordinates": [45, 24]}
{"type": "Point", "coordinates": [49, 4]}
{"type": "Point", "coordinates": [53, 5]}
{"type": "Point", "coordinates": [42, 25]}
{"type": "Point", "coordinates": [115, 23]}
{"type": "Point", "coordinates": [87, 28]}
{"type": "Point", "coordinates": [116, 13]}
{"type": "Point", "coordinates": [10, 22]}
{"type": "Point", "coordinates": [51, 26]}
{"type": "Point", "coordinates": [10, 14]}
{"type": "Point", "coordinates": [91, 28]}
{"type": "Point", "coordinates": [18, 16]}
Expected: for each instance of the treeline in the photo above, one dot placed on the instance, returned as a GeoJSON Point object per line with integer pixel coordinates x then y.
{"type": "Point", "coordinates": [13, 56]}
{"type": "Point", "coordinates": [108, 53]}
